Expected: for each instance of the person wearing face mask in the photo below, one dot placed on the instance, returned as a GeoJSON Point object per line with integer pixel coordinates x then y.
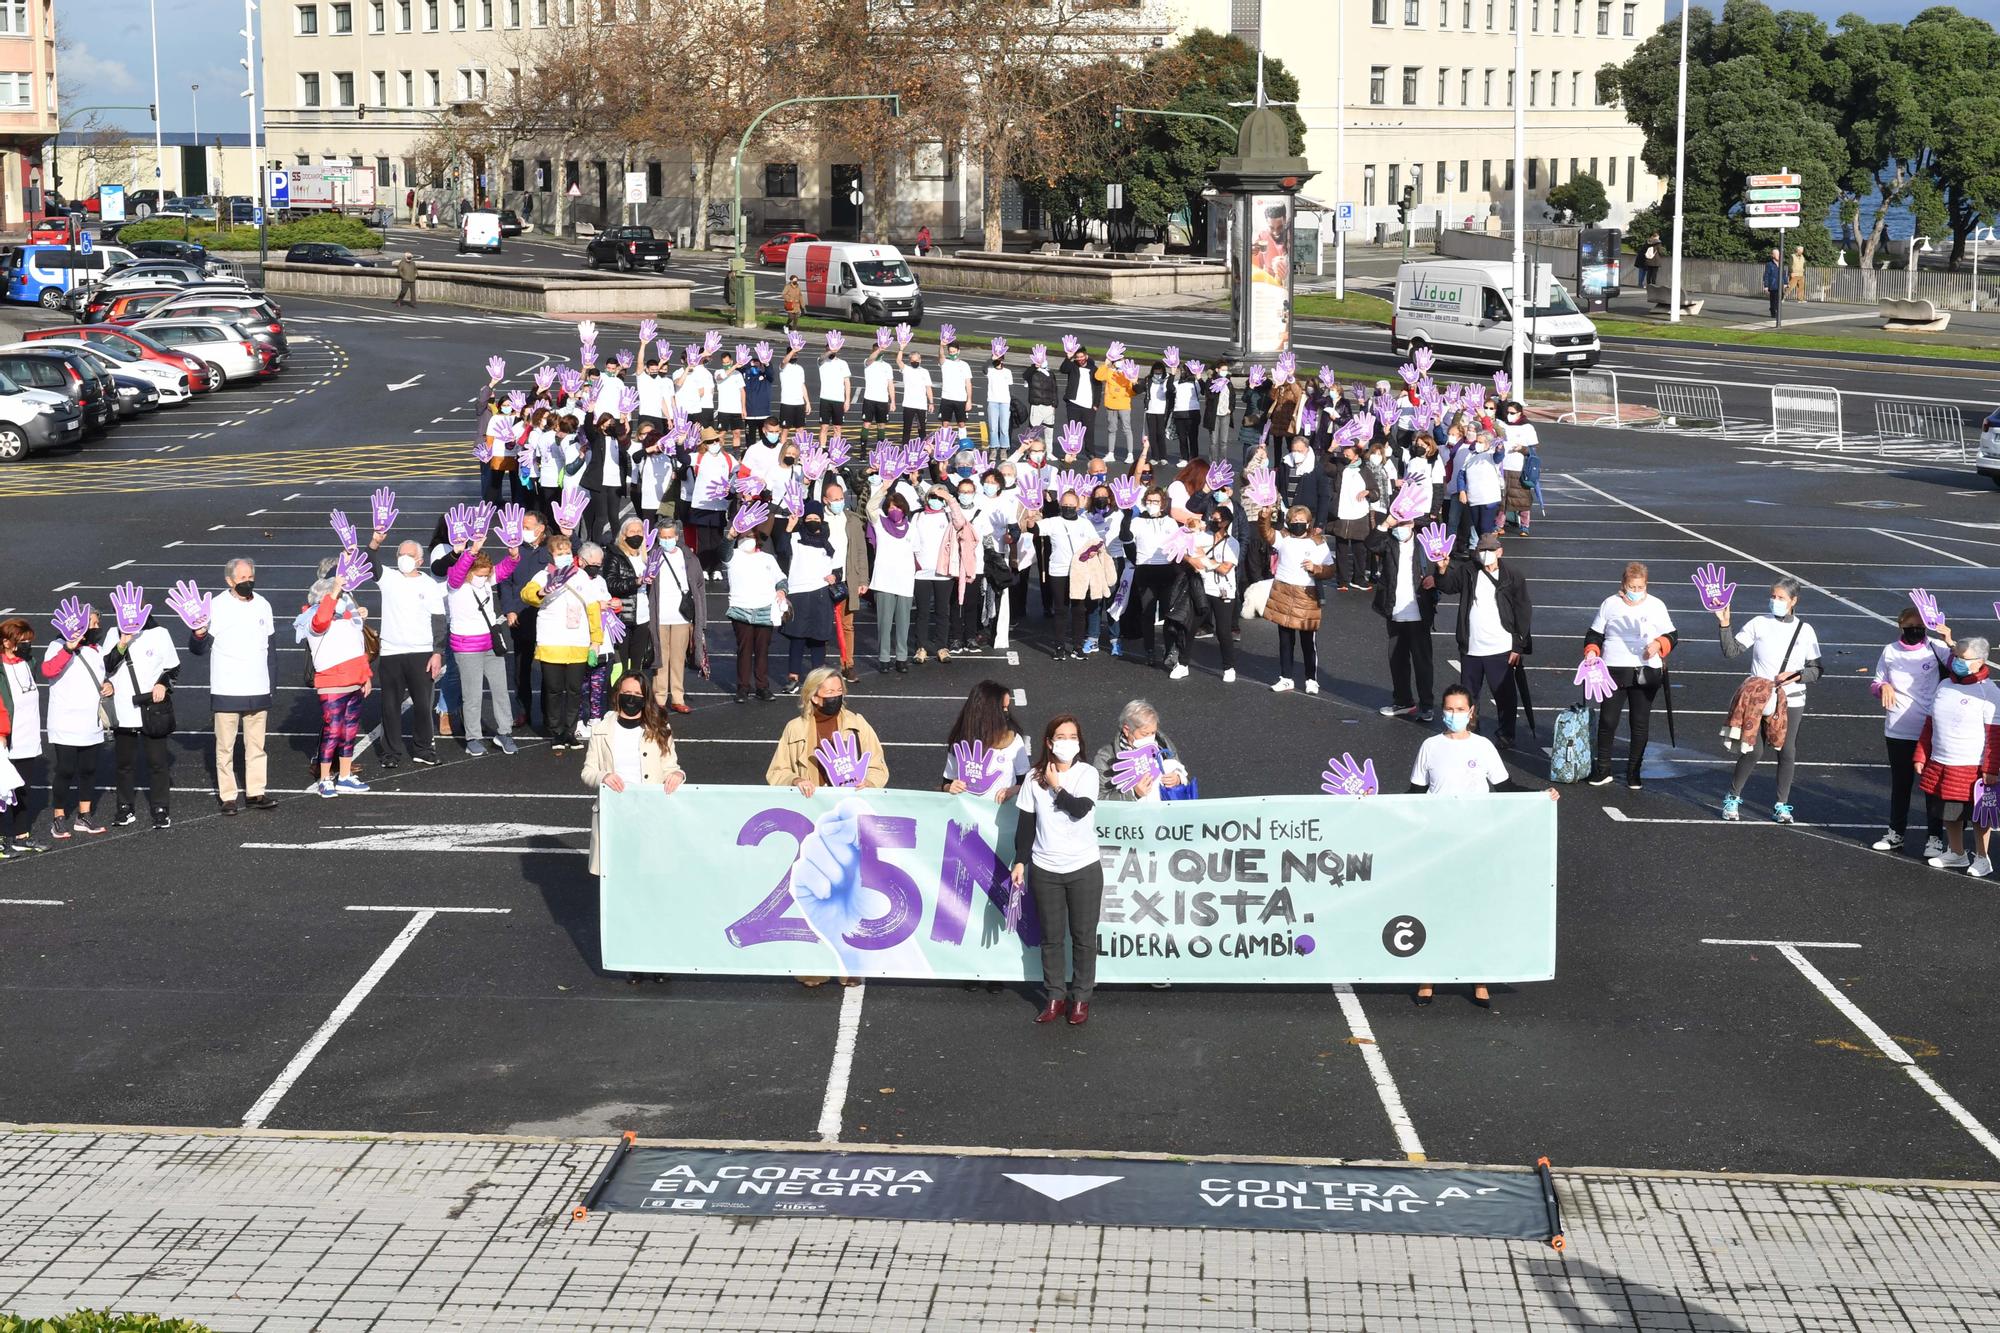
{"type": "Point", "coordinates": [20, 738]}
{"type": "Point", "coordinates": [521, 618]}
{"type": "Point", "coordinates": [1406, 598]}
{"type": "Point", "coordinates": [791, 391]}
{"type": "Point", "coordinates": [411, 656]}
{"type": "Point", "coordinates": [1460, 762]}
{"type": "Point", "coordinates": [1301, 478]}
{"type": "Point", "coordinates": [1382, 485]}
{"type": "Point", "coordinates": [757, 604]}
{"type": "Point", "coordinates": [1479, 484]}
{"type": "Point", "coordinates": [238, 643]}
{"type": "Point", "coordinates": [1159, 390]}
{"type": "Point", "coordinates": [1117, 415]}
{"type": "Point", "coordinates": [918, 396]}
{"type": "Point", "coordinates": [1907, 676]}
{"type": "Point", "coordinates": [1784, 656]}
{"type": "Point", "coordinates": [1300, 562]}
{"type": "Point", "coordinates": [948, 558]}
{"type": "Point", "coordinates": [631, 594]}
{"type": "Point", "coordinates": [731, 393]}
{"type": "Point", "coordinates": [1634, 633]}
{"type": "Point", "coordinates": [1153, 572]}
{"type": "Point", "coordinates": [1139, 729]}
{"type": "Point", "coordinates": [477, 630]}
{"type": "Point", "coordinates": [891, 576]}
{"type": "Point", "coordinates": [1079, 397]}
{"type": "Point", "coordinates": [1112, 527]}
{"type": "Point", "coordinates": [1352, 520]}
{"type": "Point", "coordinates": [679, 625]}
{"type": "Point", "coordinates": [332, 622]}
{"type": "Point", "coordinates": [758, 384]}
{"type": "Point", "coordinates": [846, 533]}
{"type": "Point", "coordinates": [1519, 441]}
{"type": "Point", "coordinates": [1955, 751]}
{"type": "Point", "coordinates": [78, 675]}
{"type": "Point", "coordinates": [705, 502]}
{"type": "Point", "coordinates": [878, 395]}
{"type": "Point", "coordinates": [655, 475]}
{"type": "Point", "coordinates": [569, 634]}
{"type": "Point", "coordinates": [1058, 859]}
{"type": "Point", "coordinates": [630, 747]}
{"type": "Point", "coordinates": [1040, 382]}
{"type": "Point", "coordinates": [823, 713]}
{"type": "Point", "coordinates": [836, 393]}
{"type": "Point", "coordinates": [1215, 559]}
{"type": "Point", "coordinates": [1218, 413]}
{"type": "Point", "coordinates": [1495, 626]}
{"type": "Point", "coordinates": [1067, 537]}
{"type": "Point", "coordinates": [954, 397]}
{"type": "Point", "coordinates": [810, 576]}
{"type": "Point", "coordinates": [765, 457]}
{"type": "Point", "coordinates": [595, 694]}
{"type": "Point", "coordinates": [1186, 410]}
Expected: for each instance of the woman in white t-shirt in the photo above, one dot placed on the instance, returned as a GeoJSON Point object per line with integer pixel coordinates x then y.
{"type": "Point", "coordinates": [631, 746]}
{"type": "Point", "coordinates": [1057, 857]}
{"type": "Point", "coordinates": [20, 737]}
{"type": "Point", "coordinates": [1518, 442]}
{"type": "Point", "coordinates": [1906, 679]}
{"type": "Point", "coordinates": [1215, 558]}
{"type": "Point", "coordinates": [1460, 762]}
{"type": "Point", "coordinates": [1955, 753]}
{"type": "Point", "coordinates": [1633, 633]}
{"type": "Point", "coordinates": [999, 405]}
{"type": "Point", "coordinates": [77, 673]}
{"type": "Point", "coordinates": [1784, 649]}
{"type": "Point", "coordinates": [892, 576]}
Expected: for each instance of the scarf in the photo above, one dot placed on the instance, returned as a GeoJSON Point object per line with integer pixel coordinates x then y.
{"type": "Point", "coordinates": [895, 522]}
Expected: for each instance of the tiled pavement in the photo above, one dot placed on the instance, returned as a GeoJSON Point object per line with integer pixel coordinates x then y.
{"type": "Point", "coordinates": [273, 1232]}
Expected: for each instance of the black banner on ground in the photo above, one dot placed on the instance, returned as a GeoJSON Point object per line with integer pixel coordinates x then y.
{"type": "Point", "coordinates": [1264, 1196]}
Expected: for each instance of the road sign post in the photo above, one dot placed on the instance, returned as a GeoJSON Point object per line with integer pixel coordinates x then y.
{"type": "Point", "coordinates": [1771, 202]}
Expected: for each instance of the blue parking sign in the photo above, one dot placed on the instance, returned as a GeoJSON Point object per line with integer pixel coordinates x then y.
{"type": "Point", "coordinates": [84, 243]}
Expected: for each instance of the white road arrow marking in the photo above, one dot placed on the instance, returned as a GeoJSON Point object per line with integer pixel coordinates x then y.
{"type": "Point", "coordinates": [435, 838]}
{"type": "Point", "coordinates": [405, 384]}
{"type": "Point", "coordinates": [1060, 1187]}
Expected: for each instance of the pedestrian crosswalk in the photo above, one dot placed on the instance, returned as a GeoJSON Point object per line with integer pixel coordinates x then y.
{"type": "Point", "coordinates": [501, 321]}
{"type": "Point", "coordinates": [278, 467]}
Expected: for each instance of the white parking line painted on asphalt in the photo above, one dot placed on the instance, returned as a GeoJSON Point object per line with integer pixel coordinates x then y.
{"type": "Point", "coordinates": [1378, 1072]}
{"type": "Point", "coordinates": [32, 902]}
{"type": "Point", "coordinates": [833, 1106]}
{"type": "Point", "coordinates": [1890, 1048]}
{"type": "Point", "coordinates": [1911, 541]}
{"type": "Point", "coordinates": [1618, 816]}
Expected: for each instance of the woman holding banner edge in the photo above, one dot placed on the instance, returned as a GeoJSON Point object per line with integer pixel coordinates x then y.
{"type": "Point", "coordinates": [630, 747]}
{"type": "Point", "coordinates": [1056, 854]}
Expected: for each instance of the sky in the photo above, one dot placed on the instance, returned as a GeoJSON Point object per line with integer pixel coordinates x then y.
{"type": "Point", "coordinates": [109, 60]}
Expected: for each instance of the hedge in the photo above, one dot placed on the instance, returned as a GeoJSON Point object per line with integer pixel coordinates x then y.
{"type": "Point", "coordinates": [334, 227]}
{"type": "Point", "coordinates": [99, 1321]}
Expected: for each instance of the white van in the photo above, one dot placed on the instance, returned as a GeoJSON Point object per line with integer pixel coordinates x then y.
{"type": "Point", "coordinates": [479, 229]}
{"type": "Point", "coordinates": [1464, 310]}
{"type": "Point", "coordinates": [868, 283]}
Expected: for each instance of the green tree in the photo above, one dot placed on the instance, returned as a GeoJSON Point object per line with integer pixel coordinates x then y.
{"type": "Point", "coordinates": [1583, 197]}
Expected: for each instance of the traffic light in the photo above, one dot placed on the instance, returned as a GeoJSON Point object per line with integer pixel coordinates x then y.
{"type": "Point", "coordinates": [1406, 203]}
{"type": "Point", "coordinates": [361, 111]}
{"type": "Point", "coordinates": [1117, 117]}
{"type": "Point", "coordinates": [152, 110]}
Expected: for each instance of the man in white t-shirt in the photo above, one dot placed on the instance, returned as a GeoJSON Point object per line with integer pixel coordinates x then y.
{"type": "Point", "coordinates": [1406, 599]}
{"type": "Point", "coordinates": [878, 395]}
{"type": "Point", "coordinates": [237, 641]}
{"type": "Point", "coordinates": [918, 397]}
{"type": "Point", "coordinates": [954, 398]}
{"type": "Point", "coordinates": [791, 393]}
{"type": "Point", "coordinates": [836, 393]}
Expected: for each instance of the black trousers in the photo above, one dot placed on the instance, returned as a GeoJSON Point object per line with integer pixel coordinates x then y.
{"type": "Point", "coordinates": [915, 421]}
{"type": "Point", "coordinates": [126, 743]}
{"type": "Point", "coordinates": [1492, 672]}
{"type": "Point", "coordinates": [402, 676]}
{"type": "Point", "coordinates": [1775, 296]}
{"type": "Point", "coordinates": [937, 617]}
{"type": "Point", "coordinates": [524, 669]}
{"type": "Point", "coordinates": [1187, 429]}
{"type": "Point", "coordinates": [1150, 583]}
{"type": "Point", "coordinates": [1410, 663]}
{"type": "Point", "coordinates": [1902, 782]}
{"type": "Point", "coordinates": [1224, 609]}
{"type": "Point", "coordinates": [72, 767]}
{"type": "Point", "coordinates": [1156, 434]}
{"type": "Point", "coordinates": [563, 682]}
{"type": "Point", "coordinates": [1069, 906]}
{"type": "Point", "coordinates": [1350, 561]}
{"type": "Point", "coordinates": [1637, 687]}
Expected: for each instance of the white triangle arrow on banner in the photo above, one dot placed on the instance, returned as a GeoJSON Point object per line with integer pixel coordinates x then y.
{"type": "Point", "coordinates": [1060, 1187]}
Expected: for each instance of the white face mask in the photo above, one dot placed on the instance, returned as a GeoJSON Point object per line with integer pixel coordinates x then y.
{"type": "Point", "coordinates": [1489, 558]}
{"type": "Point", "coordinates": [1064, 751]}
{"type": "Point", "coordinates": [1152, 511]}
{"type": "Point", "coordinates": [1147, 742]}
{"type": "Point", "coordinates": [746, 546]}
{"type": "Point", "coordinates": [668, 543]}
{"type": "Point", "coordinates": [481, 582]}
{"type": "Point", "coordinates": [407, 563]}
{"type": "Point", "coordinates": [565, 560]}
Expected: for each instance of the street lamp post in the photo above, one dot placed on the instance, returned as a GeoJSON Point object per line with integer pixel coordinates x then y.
{"type": "Point", "coordinates": [742, 285]}
{"type": "Point", "coordinates": [194, 100]}
{"type": "Point", "coordinates": [159, 139]}
{"type": "Point", "coordinates": [1521, 279]}
{"type": "Point", "coordinates": [256, 159]}
{"type": "Point", "coordinates": [1680, 172]}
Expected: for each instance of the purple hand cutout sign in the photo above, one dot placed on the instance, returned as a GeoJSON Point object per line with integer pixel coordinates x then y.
{"type": "Point", "coordinates": [835, 340]}
{"type": "Point", "coordinates": [1927, 607]}
{"type": "Point", "coordinates": [569, 509]}
{"type": "Point", "coordinates": [978, 767]}
{"type": "Point", "coordinates": [191, 604]}
{"type": "Point", "coordinates": [382, 509]}
{"type": "Point", "coordinates": [1424, 358]}
{"type": "Point", "coordinates": [944, 444]}
{"type": "Point", "coordinates": [1038, 356]}
{"type": "Point", "coordinates": [614, 628]}
{"type": "Point", "coordinates": [1595, 677]}
{"type": "Point", "coordinates": [1135, 767]}
{"type": "Point", "coordinates": [1985, 805]}
{"type": "Point", "coordinates": [129, 605]}
{"type": "Point", "coordinates": [71, 619]}
{"type": "Point", "coordinates": [586, 331]}
{"type": "Point", "coordinates": [1344, 777]}
{"type": "Point", "coordinates": [1170, 357]}
{"type": "Point", "coordinates": [711, 342]}
{"type": "Point", "coordinates": [1070, 343]}
{"type": "Point", "coordinates": [509, 528]}
{"type": "Point", "coordinates": [793, 499]}
{"type": "Point", "coordinates": [837, 449]}
{"type": "Point", "coordinates": [1220, 475]}
{"type": "Point", "coordinates": [999, 347]}
{"type": "Point", "coordinates": [795, 340]}
{"type": "Point", "coordinates": [1179, 545]}
{"type": "Point", "coordinates": [813, 461]}
{"type": "Point", "coordinates": [544, 377]}
{"type": "Point", "coordinates": [1501, 384]}
{"type": "Point", "coordinates": [516, 400]}
{"type": "Point", "coordinates": [882, 338]}
{"type": "Point", "coordinates": [1286, 369]}
{"type": "Point", "coordinates": [1437, 543]}
{"type": "Point", "coordinates": [1071, 440]}
{"type": "Point", "coordinates": [747, 485]}
{"type": "Point", "coordinates": [458, 524]}
{"type": "Point", "coordinates": [1031, 492]}
{"type": "Point", "coordinates": [482, 519]}
{"type": "Point", "coordinates": [1412, 502]}
{"type": "Point", "coordinates": [496, 368]}
{"type": "Point", "coordinates": [885, 461]}
{"type": "Point", "coordinates": [483, 452]}
{"type": "Point", "coordinates": [1710, 584]}
{"type": "Point", "coordinates": [342, 529]}
{"type": "Point", "coordinates": [354, 569]}
{"type": "Point", "coordinates": [1260, 487]}
{"type": "Point", "coordinates": [1115, 351]}
{"type": "Point", "coordinates": [749, 518]}
{"type": "Point", "coordinates": [763, 351]}
{"type": "Point", "coordinates": [903, 334]}
{"type": "Point", "coordinates": [647, 328]}
{"type": "Point", "coordinates": [1254, 376]}
{"type": "Point", "coordinates": [843, 760]}
{"type": "Point", "coordinates": [1125, 491]}
{"type": "Point", "coordinates": [947, 334]}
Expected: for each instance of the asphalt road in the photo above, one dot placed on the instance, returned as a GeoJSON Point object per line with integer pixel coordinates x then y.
{"type": "Point", "coordinates": [173, 978]}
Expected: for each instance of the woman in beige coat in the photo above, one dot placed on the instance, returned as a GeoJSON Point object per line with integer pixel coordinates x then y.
{"type": "Point", "coordinates": [631, 746]}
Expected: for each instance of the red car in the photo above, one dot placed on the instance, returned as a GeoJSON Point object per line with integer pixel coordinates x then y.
{"type": "Point", "coordinates": [773, 250]}
{"type": "Point", "coordinates": [131, 340]}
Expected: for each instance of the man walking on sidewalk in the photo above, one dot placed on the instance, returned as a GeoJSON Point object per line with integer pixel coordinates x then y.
{"type": "Point", "coordinates": [406, 275]}
{"type": "Point", "coordinates": [1774, 287]}
{"type": "Point", "coordinates": [1796, 288]}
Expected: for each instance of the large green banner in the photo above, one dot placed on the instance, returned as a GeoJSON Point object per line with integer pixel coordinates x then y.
{"type": "Point", "coordinates": [1270, 889]}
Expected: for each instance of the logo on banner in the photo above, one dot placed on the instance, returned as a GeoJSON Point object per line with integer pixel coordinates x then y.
{"type": "Point", "coordinates": [1403, 936]}
{"type": "Point", "coordinates": [1061, 1187]}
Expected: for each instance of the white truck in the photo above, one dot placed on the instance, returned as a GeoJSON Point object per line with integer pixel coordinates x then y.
{"type": "Point", "coordinates": [331, 187]}
{"type": "Point", "coordinates": [1464, 310]}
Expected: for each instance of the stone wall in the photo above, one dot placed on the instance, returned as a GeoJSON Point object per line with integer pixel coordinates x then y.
{"type": "Point", "coordinates": [490, 288]}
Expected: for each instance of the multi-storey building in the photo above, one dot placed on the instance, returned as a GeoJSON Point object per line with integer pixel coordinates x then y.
{"type": "Point", "coordinates": [28, 117]}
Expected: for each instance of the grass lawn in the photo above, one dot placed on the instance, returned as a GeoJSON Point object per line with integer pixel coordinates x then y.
{"type": "Point", "coordinates": [1898, 344]}
{"type": "Point", "coordinates": [1356, 306]}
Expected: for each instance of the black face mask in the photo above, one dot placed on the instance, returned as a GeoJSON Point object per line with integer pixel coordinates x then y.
{"type": "Point", "coordinates": [831, 707]}
{"type": "Point", "coordinates": [245, 588]}
{"type": "Point", "coordinates": [1913, 636]}
{"type": "Point", "coordinates": [1220, 522]}
{"type": "Point", "coordinates": [790, 461]}
{"type": "Point", "coordinates": [1099, 503]}
{"type": "Point", "coordinates": [630, 706]}
{"type": "Point", "coordinates": [1296, 529]}
{"type": "Point", "coordinates": [1069, 511]}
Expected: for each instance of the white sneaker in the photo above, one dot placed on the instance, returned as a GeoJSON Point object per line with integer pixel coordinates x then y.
{"type": "Point", "coordinates": [1888, 842]}
{"type": "Point", "coordinates": [1178, 673]}
{"type": "Point", "coordinates": [1981, 867]}
{"type": "Point", "coordinates": [1933, 847]}
{"type": "Point", "coordinates": [1229, 676]}
{"type": "Point", "coordinates": [1284, 686]}
{"type": "Point", "coordinates": [1951, 861]}
{"type": "Point", "coordinates": [1312, 687]}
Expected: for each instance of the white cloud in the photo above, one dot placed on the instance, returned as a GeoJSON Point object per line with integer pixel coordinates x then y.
{"type": "Point", "coordinates": [79, 69]}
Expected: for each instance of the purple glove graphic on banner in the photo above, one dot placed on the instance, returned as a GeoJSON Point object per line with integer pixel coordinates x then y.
{"type": "Point", "coordinates": [129, 606]}
{"type": "Point", "coordinates": [382, 509]}
{"type": "Point", "coordinates": [1711, 586]}
{"type": "Point", "coordinates": [496, 368]}
{"type": "Point", "coordinates": [978, 767]}
{"type": "Point", "coordinates": [1220, 475]}
{"type": "Point", "coordinates": [1071, 439]}
{"type": "Point", "coordinates": [354, 569]}
{"type": "Point", "coordinates": [1927, 607]}
{"type": "Point", "coordinates": [749, 518]}
{"type": "Point", "coordinates": [835, 341]}
{"type": "Point", "coordinates": [614, 628]}
{"type": "Point", "coordinates": [1038, 356]}
{"type": "Point", "coordinates": [1070, 343]}
{"type": "Point", "coordinates": [828, 892]}
{"type": "Point", "coordinates": [1595, 677]}
{"type": "Point", "coordinates": [509, 529]}
{"type": "Point", "coordinates": [342, 529]}
{"type": "Point", "coordinates": [569, 509]}
{"type": "Point", "coordinates": [1170, 357]}
{"type": "Point", "coordinates": [1437, 543]}
{"type": "Point", "coordinates": [1412, 501]}
{"type": "Point", "coordinates": [843, 759]}
{"type": "Point", "coordinates": [1135, 767]}
{"type": "Point", "coordinates": [1985, 804]}
{"type": "Point", "coordinates": [883, 338]}
{"type": "Point", "coordinates": [71, 619]}
{"type": "Point", "coordinates": [1343, 777]}
{"type": "Point", "coordinates": [190, 603]}
{"type": "Point", "coordinates": [1125, 491]}
{"type": "Point", "coordinates": [1260, 487]}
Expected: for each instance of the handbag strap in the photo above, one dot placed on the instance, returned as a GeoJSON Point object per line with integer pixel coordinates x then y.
{"type": "Point", "coordinates": [1797, 630]}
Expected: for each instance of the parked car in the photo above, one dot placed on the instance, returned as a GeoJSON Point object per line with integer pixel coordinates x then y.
{"type": "Point", "coordinates": [228, 352]}
{"type": "Point", "coordinates": [773, 251]}
{"type": "Point", "coordinates": [201, 208]}
{"type": "Point", "coordinates": [142, 203]}
{"type": "Point", "coordinates": [510, 223]}
{"type": "Point", "coordinates": [135, 395]}
{"type": "Point", "coordinates": [32, 419]}
{"type": "Point", "coordinates": [255, 314]}
{"type": "Point", "coordinates": [116, 359]}
{"type": "Point", "coordinates": [187, 252]}
{"type": "Point", "coordinates": [60, 370]}
{"type": "Point", "coordinates": [627, 248]}
{"type": "Point", "coordinates": [325, 252]}
{"type": "Point", "coordinates": [124, 305]}
{"type": "Point", "coordinates": [111, 337]}
{"type": "Point", "coordinates": [1989, 447]}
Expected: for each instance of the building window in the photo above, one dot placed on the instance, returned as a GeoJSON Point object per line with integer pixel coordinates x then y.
{"type": "Point", "coordinates": [382, 172]}
{"type": "Point", "coordinates": [485, 13]}
{"type": "Point", "coordinates": [1488, 87]}
{"type": "Point", "coordinates": [343, 89]}
{"type": "Point", "coordinates": [1576, 18]}
{"type": "Point", "coordinates": [1572, 170]}
{"type": "Point", "coordinates": [308, 90]}
{"type": "Point", "coordinates": [517, 175]}
{"type": "Point", "coordinates": [1395, 180]}
{"type": "Point", "coordinates": [1510, 87]}
{"type": "Point", "coordinates": [1443, 75]}
{"type": "Point", "coordinates": [1378, 85]}
{"type": "Point", "coordinates": [308, 20]}
{"type": "Point", "coordinates": [572, 174]}
{"type": "Point", "coordinates": [14, 18]}
{"type": "Point", "coordinates": [1489, 15]}
{"type": "Point", "coordinates": [430, 15]}
{"type": "Point", "coordinates": [433, 88]}
{"type": "Point", "coordinates": [1465, 16]}
{"type": "Point", "coordinates": [1556, 16]}
{"type": "Point", "coordinates": [381, 82]}
{"type": "Point", "coordinates": [1440, 178]}
{"type": "Point", "coordinates": [1409, 85]}
{"type": "Point", "coordinates": [343, 19]}
{"type": "Point", "coordinates": [513, 13]}
{"type": "Point", "coordinates": [1509, 185]}
{"type": "Point", "coordinates": [1465, 87]}
{"type": "Point", "coordinates": [656, 181]}
{"type": "Point", "coordinates": [409, 82]}
{"type": "Point", "coordinates": [465, 85]}
{"type": "Point", "coordinates": [458, 15]}
{"type": "Point", "coordinates": [1629, 176]}
{"type": "Point", "coordinates": [781, 180]}
{"type": "Point", "coordinates": [1486, 175]}
{"type": "Point", "coordinates": [1367, 187]}
{"type": "Point", "coordinates": [1411, 15]}
{"type": "Point", "coordinates": [479, 84]}
{"type": "Point", "coordinates": [541, 13]}
{"type": "Point", "coordinates": [1554, 179]}
{"type": "Point", "coordinates": [404, 21]}
{"type": "Point", "coordinates": [1534, 87]}
{"type": "Point", "coordinates": [1534, 164]}
{"type": "Point", "coordinates": [378, 16]}
{"type": "Point", "coordinates": [1535, 16]}
{"type": "Point", "coordinates": [1631, 20]}
{"type": "Point", "coordinates": [1464, 175]}
{"type": "Point", "coordinates": [1379, 12]}
{"type": "Point", "coordinates": [1610, 161]}
{"type": "Point", "coordinates": [1603, 18]}
{"type": "Point", "coordinates": [17, 90]}
{"type": "Point", "coordinates": [541, 173]}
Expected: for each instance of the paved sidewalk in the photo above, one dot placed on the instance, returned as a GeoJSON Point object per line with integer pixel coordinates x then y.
{"type": "Point", "coordinates": [256, 1231]}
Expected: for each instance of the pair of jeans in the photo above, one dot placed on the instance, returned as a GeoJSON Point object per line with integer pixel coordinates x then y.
{"type": "Point", "coordinates": [483, 675]}
{"type": "Point", "coordinates": [892, 627]}
{"type": "Point", "coordinates": [126, 742]}
{"type": "Point", "coordinates": [999, 425]}
{"type": "Point", "coordinates": [1069, 904]}
{"type": "Point", "coordinates": [403, 676]}
{"type": "Point", "coordinates": [937, 620]}
{"type": "Point", "coordinates": [562, 686]}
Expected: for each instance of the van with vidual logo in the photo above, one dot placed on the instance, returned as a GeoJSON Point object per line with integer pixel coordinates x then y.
{"type": "Point", "coordinates": [1464, 310]}
{"type": "Point", "coordinates": [869, 283]}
